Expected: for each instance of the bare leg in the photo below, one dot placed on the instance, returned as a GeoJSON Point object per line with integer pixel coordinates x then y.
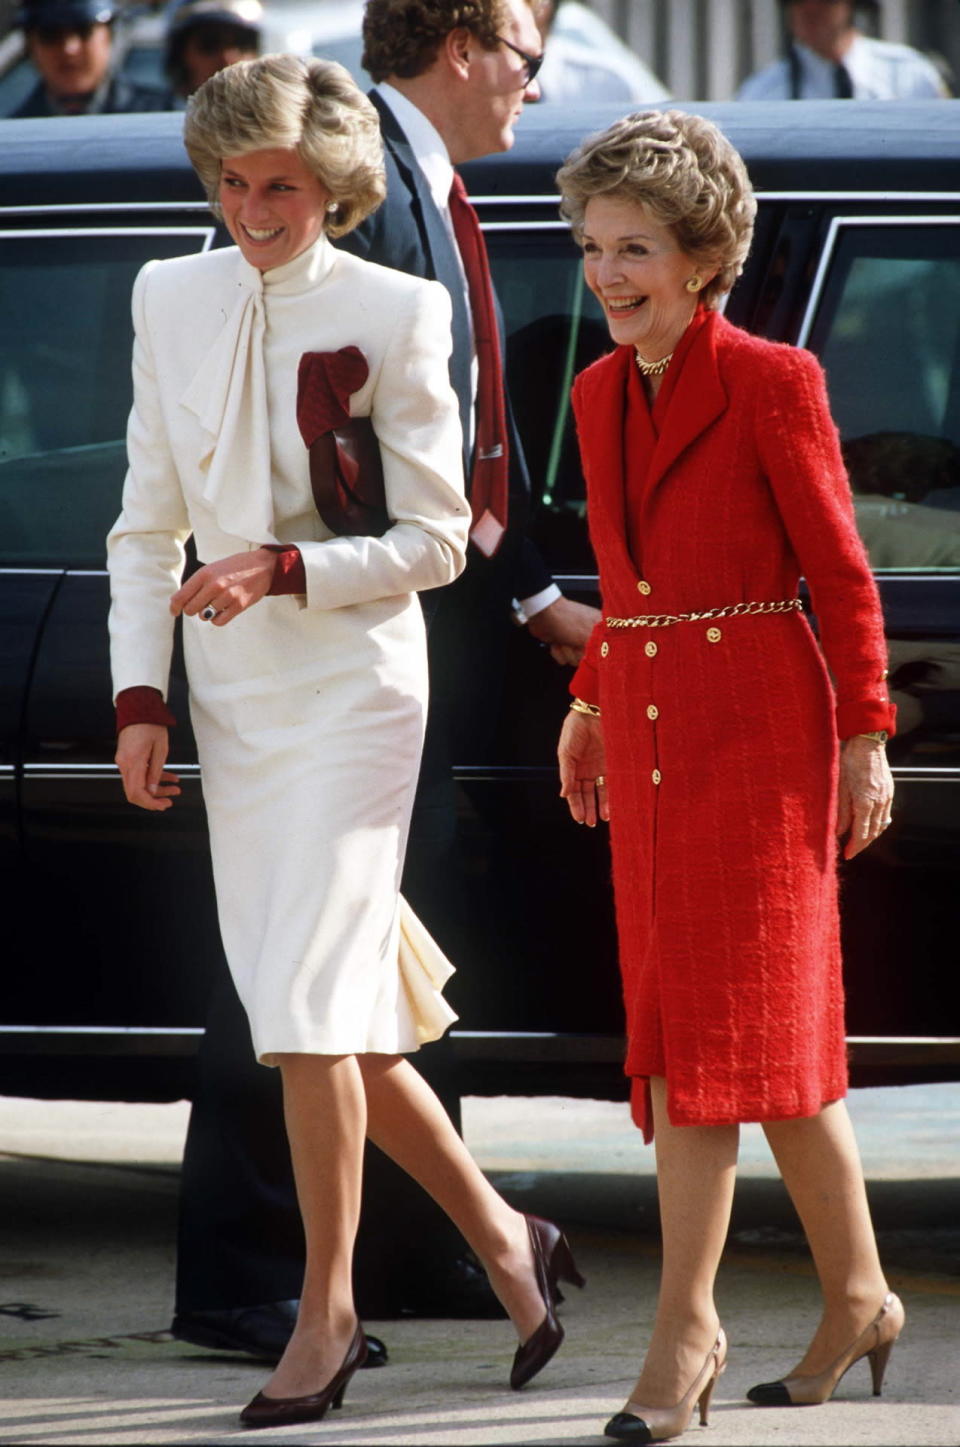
{"type": "Point", "coordinates": [325, 1116]}
{"type": "Point", "coordinates": [405, 1119]}
{"type": "Point", "coordinates": [820, 1164]}
{"type": "Point", "coordinates": [696, 1169]}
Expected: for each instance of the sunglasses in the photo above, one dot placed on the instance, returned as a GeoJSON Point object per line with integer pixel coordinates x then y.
{"type": "Point", "coordinates": [532, 62]}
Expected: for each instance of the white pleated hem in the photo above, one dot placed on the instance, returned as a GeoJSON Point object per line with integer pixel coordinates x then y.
{"type": "Point", "coordinates": [424, 1016]}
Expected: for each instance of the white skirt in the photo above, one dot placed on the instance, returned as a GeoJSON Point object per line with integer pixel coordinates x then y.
{"type": "Point", "coordinates": [309, 726]}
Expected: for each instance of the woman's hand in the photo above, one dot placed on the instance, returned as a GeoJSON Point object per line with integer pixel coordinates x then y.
{"type": "Point", "coordinates": [140, 757]}
{"type": "Point", "coordinates": [582, 778]}
{"type": "Point", "coordinates": [230, 586]}
{"type": "Point", "coordinates": [865, 794]}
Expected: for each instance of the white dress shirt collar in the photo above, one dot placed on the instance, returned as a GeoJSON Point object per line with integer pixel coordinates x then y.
{"type": "Point", "coordinates": [426, 142]}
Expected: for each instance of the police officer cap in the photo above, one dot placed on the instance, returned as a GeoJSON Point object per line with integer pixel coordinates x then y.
{"type": "Point", "coordinates": [62, 14]}
{"type": "Point", "coordinates": [244, 14]}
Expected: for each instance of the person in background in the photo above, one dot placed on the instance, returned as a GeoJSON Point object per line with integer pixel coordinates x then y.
{"type": "Point", "coordinates": [70, 43]}
{"type": "Point", "coordinates": [445, 93]}
{"type": "Point", "coordinates": [706, 727]}
{"type": "Point", "coordinates": [829, 58]}
{"type": "Point", "coordinates": [584, 60]}
{"type": "Point", "coordinates": [205, 36]}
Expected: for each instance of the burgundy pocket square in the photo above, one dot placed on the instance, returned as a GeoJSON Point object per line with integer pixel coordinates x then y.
{"type": "Point", "coordinates": [346, 471]}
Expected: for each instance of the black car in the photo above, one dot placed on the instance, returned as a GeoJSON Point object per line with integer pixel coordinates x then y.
{"type": "Point", "coordinates": [109, 922]}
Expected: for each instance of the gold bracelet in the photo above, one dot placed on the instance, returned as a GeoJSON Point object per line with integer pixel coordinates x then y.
{"type": "Point", "coordinates": [580, 705]}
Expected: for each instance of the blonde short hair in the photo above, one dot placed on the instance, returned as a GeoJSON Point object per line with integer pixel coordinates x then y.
{"type": "Point", "coordinates": [284, 102]}
{"type": "Point", "coordinates": [686, 171]}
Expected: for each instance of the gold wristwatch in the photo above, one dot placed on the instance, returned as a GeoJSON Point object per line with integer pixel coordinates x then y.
{"type": "Point", "coordinates": [880, 736]}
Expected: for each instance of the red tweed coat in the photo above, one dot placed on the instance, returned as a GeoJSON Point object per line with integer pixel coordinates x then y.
{"type": "Point", "coordinates": [721, 737]}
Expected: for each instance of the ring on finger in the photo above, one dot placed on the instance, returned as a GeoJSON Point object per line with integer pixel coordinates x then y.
{"type": "Point", "coordinates": [209, 613]}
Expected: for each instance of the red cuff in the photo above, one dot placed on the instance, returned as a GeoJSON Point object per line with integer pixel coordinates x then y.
{"type": "Point", "coordinates": [289, 576]}
{"type": "Point", "coordinates": [866, 717]}
{"type": "Point", "coordinates": [585, 683]}
{"type": "Point", "coordinates": [142, 705]}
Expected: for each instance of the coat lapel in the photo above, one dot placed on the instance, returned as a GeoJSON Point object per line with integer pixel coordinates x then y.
{"type": "Point", "coordinates": [601, 405]}
{"type": "Point", "coordinates": [698, 399]}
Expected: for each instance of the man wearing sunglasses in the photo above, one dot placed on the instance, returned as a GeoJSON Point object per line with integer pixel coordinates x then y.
{"type": "Point", "coordinates": [70, 43]}
{"type": "Point", "coordinates": [451, 82]}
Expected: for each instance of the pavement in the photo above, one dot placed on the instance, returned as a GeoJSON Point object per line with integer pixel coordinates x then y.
{"type": "Point", "coordinates": [88, 1203]}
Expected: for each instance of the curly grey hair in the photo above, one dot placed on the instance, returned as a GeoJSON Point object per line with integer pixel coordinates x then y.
{"type": "Point", "coordinates": [688, 174]}
{"type": "Point", "coordinates": [283, 102]}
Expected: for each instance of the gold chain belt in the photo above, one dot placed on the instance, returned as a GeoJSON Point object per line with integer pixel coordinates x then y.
{"type": "Point", "coordinates": [732, 610]}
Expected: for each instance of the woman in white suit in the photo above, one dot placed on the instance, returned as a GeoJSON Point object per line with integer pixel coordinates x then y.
{"type": "Point", "coordinates": [306, 662]}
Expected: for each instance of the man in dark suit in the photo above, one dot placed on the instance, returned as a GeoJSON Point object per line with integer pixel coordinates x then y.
{"type": "Point", "coordinates": [70, 43]}
{"type": "Point", "coordinates": [445, 94]}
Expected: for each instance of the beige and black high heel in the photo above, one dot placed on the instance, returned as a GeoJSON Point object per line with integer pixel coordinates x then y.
{"type": "Point", "coordinates": [875, 1342]}
{"type": "Point", "coordinates": [659, 1424]}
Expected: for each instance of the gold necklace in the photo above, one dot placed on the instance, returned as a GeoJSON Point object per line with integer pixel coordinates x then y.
{"type": "Point", "coordinates": [652, 369]}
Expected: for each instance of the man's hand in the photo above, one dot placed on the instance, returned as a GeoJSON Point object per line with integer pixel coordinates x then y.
{"type": "Point", "coordinates": [565, 626]}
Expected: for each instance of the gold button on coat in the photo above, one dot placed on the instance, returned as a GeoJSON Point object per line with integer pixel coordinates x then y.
{"type": "Point", "coordinates": [714, 635]}
{"type": "Point", "coordinates": [656, 776]}
{"type": "Point", "coordinates": [650, 649]}
{"type": "Point", "coordinates": [604, 649]}
{"type": "Point", "coordinates": [643, 587]}
{"type": "Point", "coordinates": [652, 711]}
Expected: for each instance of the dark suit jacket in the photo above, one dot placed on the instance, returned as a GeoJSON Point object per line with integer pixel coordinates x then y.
{"type": "Point", "coordinates": [407, 232]}
{"type": "Point", "coordinates": [122, 98]}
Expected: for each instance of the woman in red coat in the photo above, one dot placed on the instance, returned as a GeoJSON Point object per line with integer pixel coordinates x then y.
{"type": "Point", "coordinates": [706, 729]}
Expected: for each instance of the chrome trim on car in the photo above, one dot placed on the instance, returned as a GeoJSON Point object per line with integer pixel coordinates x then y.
{"type": "Point", "coordinates": [468, 1046]}
{"type": "Point", "coordinates": [81, 208]}
{"type": "Point", "coordinates": [527, 226]}
{"type": "Point", "coordinates": [908, 197]}
{"type": "Point", "coordinates": [29, 234]}
{"type": "Point", "coordinates": [829, 246]}
{"type": "Point", "coordinates": [113, 208]}
{"type": "Point", "coordinates": [60, 772]}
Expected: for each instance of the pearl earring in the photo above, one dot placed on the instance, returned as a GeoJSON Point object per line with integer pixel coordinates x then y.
{"type": "Point", "coordinates": [331, 207]}
{"type": "Point", "coordinates": [694, 284]}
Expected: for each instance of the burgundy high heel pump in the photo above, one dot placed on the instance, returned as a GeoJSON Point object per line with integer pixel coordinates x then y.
{"type": "Point", "coordinates": [553, 1261]}
{"type": "Point", "coordinates": [266, 1411]}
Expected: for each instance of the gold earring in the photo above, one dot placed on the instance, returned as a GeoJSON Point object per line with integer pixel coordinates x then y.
{"type": "Point", "coordinates": [694, 284]}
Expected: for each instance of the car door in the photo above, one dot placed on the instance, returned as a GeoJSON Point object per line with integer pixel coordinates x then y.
{"type": "Point", "coordinates": [872, 286]}
{"type": "Point", "coordinates": [108, 911]}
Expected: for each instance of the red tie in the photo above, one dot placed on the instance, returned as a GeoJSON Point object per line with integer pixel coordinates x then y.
{"type": "Point", "coordinates": [488, 481]}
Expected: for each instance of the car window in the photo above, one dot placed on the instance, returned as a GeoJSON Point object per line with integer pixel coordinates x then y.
{"type": "Point", "coordinates": [887, 330]}
{"type": "Point", "coordinates": [65, 390]}
{"type": "Point", "coordinates": [554, 329]}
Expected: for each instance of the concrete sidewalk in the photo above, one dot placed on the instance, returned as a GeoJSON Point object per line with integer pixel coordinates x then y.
{"type": "Point", "coordinates": [86, 1272]}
